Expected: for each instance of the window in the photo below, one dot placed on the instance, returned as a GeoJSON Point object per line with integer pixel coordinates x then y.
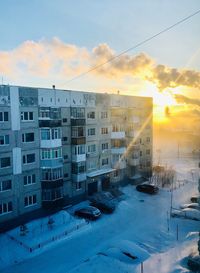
{"type": "Point", "coordinates": [65, 157]}
{"type": "Point", "coordinates": [104, 161]}
{"type": "Point", "coordinates": [140, 153]}
{"type": "Point", "coordinates": [44, 112]}
{"type": "Point", "coordinates": [148, 164]}
{"type": "Point", "coordinates": [28, 137]}
{"type": "Point", "coordinates": [52, 194]}
{"type": "Point", "coordinates": [47, 134]}
{"type": "Point", "coordinates": [78, 132]}
{"type": "Point", "coordinates": [55, 133]}
{"type": "Point", "coordinates": [104, 131]}
{"type": "Point", "coordinates": [51, 153]}
{"type": "Point", "coordinates": [5, 185]}
{"type": "Point", "coordinates": [5, 162]}
{"type": "Point", "coordinates": [3, 116]}
{"type": "Point", "coordinates": [92, 148]}
{"type": "Point", "coordinates": [64, 120]}
{"type": "Point", "coordinates": [52, 174]}
{"type": "Point", "coordinates": [91, 115]}
{"type": "Point", "coordinates": [91, 132]}
{"type": "Point", "coordinates": [4, 140]}
{"type": "Point", "coordinates": [5, 208]}
{"type": "Point", "coordinates": [78, 167]}
{"type": "Point", "coordinates": [28, 159]}
{"type": "Point", "coordinates": [104, 146]}
{"type": "Point", "coordinates": [117, 128]}
{"type": "Point", "coordinates": [77, 112]}
{"type": "Point", "coordinates": [104, 115]}
{"type": "Point", "coordinates": [148, 152]}
{"type": "Point", "coordinates": [78, 149]}
{"type": "Point", "coordinates": [78, 186]}
{"type": "Point", "coordinates": [116, 173]}
{"type": "Point", "coordinates": [30, 200]}
{"type": "Point", "coordinates": [29, 179]}
{"type": "Point", "coordinates": [26, 116]}
{"type": "Point", "coordinates": [64, 138]}
{"type": "Point", "coordinates": [148, 139]}
{"type": "Point", "coordinates": [92, 165]}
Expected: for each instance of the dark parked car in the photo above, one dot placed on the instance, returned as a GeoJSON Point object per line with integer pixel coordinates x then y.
{"type": "Point", "coordinates": [194, 199]}
{"type": "Point", "coordinates": [89, 212]}
{"type": "Point", "coordinates": [104, 205]}
{"type": "Point", "coordinates": [147, 188]}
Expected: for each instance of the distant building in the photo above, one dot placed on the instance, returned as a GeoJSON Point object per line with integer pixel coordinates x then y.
{"type": "Point", "coordinates": [59, 146]}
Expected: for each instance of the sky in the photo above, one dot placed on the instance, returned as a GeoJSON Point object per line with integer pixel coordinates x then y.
{"type": "Point", "coordinates": [46, 42]}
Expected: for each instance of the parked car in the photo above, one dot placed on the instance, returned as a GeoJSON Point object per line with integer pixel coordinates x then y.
{"type": "Point", "coordinates": [195, 199]}
{"type": "Point", "coordinates": [190, 206]}
{"type": "Point", "coordinates": [88, 212]}
{"type": "Point", "coordinates": [103, 201]}
{"type": "Point", "coordinates": [192, 214]}
{"type": "Point", "coordinates": [194, 263]}
{"type": "Point", "coordinates": [104, 205]}
{"type": "Point", "coordinates": [126, 252]}
{"type": "Point", "coordinates": [147, 188]}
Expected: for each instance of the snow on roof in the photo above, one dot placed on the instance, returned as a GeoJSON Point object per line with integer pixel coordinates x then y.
{"type": "Point", "coordinates": [100, 172]}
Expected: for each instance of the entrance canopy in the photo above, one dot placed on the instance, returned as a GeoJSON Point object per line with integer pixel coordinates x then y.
{"type": "Point", "coordinates": [100, 172]}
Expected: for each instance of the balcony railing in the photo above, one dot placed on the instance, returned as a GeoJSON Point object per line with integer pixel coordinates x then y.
{"type": "Point", "coordinates": [79, 177]}
{"type": "Point", "coordinates": [117, 135]}
{"type": "Point", "coordinates": [77, 122]}
{"type": "Point", "coordinates": [78, 140]}
{"type": "Point", "coordinates": [51, 143]}
{"type": "Point", "coordinates": [52, 184]}
{"type": "Point", "coordinates": [134, 161]}
{"type": "Point", "coordinates": [78, 158]}
{"type": "Point", "coordinates": [118, 150]}
{"type": "Point", "coordinates": [51, 163]}
{"type": "Point", "coordinates": [50, 123]}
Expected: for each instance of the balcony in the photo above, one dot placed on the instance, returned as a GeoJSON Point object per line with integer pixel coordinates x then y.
{"type": "Point", "coordinates": [77, 122]}
{"type": "Point", "coordinates": [79, 177]}
{"type": "Point", "coordinates": [119, 164]}
{"type": "Point", "coordinates": [53, 204]}
{"type": "Point", "coordinates": [134, 161]}
{"type": "Point", "coordinates": [118, 150]}
{"type": "Point", "coordinates": [78, 158]}
{"type": "Point", "coordinates": [51, 143]}
{"type": "Point", "coordinates": [49, 123]}
{"type": "Point", "coordinates": [51, 163]}
{"type": "Point", "coordinates": [78, 140]}
{"type": "Point", "coordinates": [117, 135]}
{"type": "Point", "coordinates": [51, 184]}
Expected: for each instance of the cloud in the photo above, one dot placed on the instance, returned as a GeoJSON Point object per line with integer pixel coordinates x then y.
{"type": "Point", "coordinates": [123, 65]}
{"type": "Point", "coordinates": [164, 77]}
{"type": "Point", "coordinates": [186, 100]}
{"type": "Point", "coordinates": [45, 58]}
{"type": "Point", "coordinates": [55, 60]}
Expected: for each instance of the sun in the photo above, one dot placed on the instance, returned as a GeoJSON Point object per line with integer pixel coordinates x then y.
{"type": "Point", "coordinates": [161, 100]}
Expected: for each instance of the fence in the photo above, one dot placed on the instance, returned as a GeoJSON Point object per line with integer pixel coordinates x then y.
{"type": "Point", "coordinates": [50, 240]}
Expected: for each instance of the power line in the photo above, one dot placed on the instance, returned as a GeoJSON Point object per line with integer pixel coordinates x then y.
{"type": "Point", "coordinates": [134, 47]}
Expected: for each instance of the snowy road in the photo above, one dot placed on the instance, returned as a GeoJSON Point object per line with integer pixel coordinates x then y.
{"type": "Point", "coordinates": [140, 218]}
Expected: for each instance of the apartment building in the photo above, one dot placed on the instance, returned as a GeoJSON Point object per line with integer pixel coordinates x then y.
{"type": "Point", "coordinates": [59, 146]}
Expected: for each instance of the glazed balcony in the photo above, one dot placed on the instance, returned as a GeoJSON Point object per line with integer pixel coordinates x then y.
{"type": "Point", "coordinates": [52, 184]}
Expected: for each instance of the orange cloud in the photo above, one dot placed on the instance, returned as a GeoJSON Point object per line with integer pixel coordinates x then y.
{"type": "Point", "coordinates": [55, 60]}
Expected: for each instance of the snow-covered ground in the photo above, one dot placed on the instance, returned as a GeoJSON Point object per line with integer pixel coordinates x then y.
{"type": "Point", "coordinates": [140, 219]}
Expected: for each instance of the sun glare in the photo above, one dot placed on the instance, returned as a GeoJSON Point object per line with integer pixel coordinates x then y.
{"type": "Point", "coordinates": [161, 101]}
